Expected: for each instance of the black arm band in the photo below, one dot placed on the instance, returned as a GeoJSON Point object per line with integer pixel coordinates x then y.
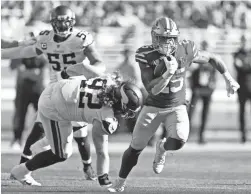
{"type": "Point", "coordinates": [220, 66]}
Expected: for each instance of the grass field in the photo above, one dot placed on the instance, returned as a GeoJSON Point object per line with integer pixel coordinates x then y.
{"type": "Point", "coordinates": [201, 171]}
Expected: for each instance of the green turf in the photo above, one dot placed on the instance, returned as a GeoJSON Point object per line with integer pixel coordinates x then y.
{"type": "Point", "coordinates": [184, 173]}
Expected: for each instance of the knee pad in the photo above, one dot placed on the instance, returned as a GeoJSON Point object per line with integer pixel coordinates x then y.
{"type": "Point", "coordinates": [80, 131]}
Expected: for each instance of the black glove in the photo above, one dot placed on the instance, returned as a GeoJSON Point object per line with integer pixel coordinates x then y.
{"type": "Point", "coordinates": [64, 75]}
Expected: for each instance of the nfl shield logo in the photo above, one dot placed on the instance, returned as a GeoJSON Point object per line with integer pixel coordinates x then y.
{"type": "Point", "coordinates": [43, 46]}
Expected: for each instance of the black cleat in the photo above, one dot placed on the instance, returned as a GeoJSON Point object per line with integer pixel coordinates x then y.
{"type": "Point", "coordinates": [104, 180]}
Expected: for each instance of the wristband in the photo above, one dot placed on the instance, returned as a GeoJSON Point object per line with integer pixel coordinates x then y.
{"type": "Point", "coordinates": [227, 75]}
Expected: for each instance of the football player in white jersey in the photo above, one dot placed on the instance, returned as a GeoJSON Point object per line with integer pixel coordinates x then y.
{"type": "Point", "coordinates": [97, 101]}
{"type": "Point", "coordinates": [66, 49]}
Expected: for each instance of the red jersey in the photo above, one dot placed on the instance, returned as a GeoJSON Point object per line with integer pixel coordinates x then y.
{"type": "Point", "coordinates": [175, 92]}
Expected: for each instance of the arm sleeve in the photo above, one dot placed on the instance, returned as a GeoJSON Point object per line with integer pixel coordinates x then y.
{"type": "Point", "coordinates": [20, 52]}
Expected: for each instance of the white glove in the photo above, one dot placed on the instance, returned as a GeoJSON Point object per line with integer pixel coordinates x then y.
{"type": "Point", "coordinates": [171, 65]}
{"type": "Point", "coordinates": [231, 85]}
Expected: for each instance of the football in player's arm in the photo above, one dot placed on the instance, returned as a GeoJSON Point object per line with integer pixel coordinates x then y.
{"type": "Point", "coordinates": [163, 67]}
{"type": "Point", "coordinates": [155, 84]}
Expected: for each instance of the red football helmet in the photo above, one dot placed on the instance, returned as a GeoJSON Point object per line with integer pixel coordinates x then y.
{"type": "Point", "coordinates": [165, 35]}
{"type": "Point", "coordinates": [62, 19]}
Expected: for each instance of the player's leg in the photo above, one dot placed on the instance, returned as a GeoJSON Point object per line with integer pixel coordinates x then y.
{"type": "Point", "coordinates": [21, 105]}
{"type": "Point", "coordinates": [37, 132]}
{"type": "Point", "coordinates": [59, 135]}
{"type": "Point", "coordinates": [81, 137]}
{"type": "Point", "coordinates": [146, 125]}
{"type": "Point", "coordinates": [242, 102]}
{"type": "Point", "coordinates": [177, 125]}
{"type": "Point", "coordinates": [40, 146]}
{"type": "Point", "coordinates": [100, 140]}
{"type": "Point", "coordinates": [206, 103]}
{"type": "Point", "coordinates": [193, 102]}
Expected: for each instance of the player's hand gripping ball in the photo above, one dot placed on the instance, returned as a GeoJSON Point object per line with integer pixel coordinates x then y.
{"type": "Point", "coordinates": [166, 63]}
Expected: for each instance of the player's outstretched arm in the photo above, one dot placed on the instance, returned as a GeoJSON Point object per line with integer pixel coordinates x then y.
{"type": "Point", "coordinates": [157, 85]}
{"type": "Point", "coordinates": [20, 52]}
{"type": "Point", "coordinates": [14, 43]}
{"type": "Point", "coordinates": [203, 57]}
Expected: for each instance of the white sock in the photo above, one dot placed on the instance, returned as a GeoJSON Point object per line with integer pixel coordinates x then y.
{"type": "Point", "coordinates": [87, 161]}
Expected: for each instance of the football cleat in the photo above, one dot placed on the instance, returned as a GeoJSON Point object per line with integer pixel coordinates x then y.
{"type": "Point", "coordinates": [119, 186]}
{"type": "Point", "coordinates": [89, 173]}
{"type": "Point", "coordinates": [23, 175]}
{"type": "Point", "coordinates": [160, 157]}
{"type": "Point", "coordinates": [104, 180]}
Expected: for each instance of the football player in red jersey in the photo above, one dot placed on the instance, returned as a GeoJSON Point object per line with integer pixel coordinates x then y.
{"type": "Point", "coordinates": [166, 100]}
{"type": "Point", "coordinates": [66, 49]}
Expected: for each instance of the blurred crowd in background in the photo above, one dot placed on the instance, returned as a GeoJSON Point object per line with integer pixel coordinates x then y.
{"type": "Point", "coordinates": [221, 14]}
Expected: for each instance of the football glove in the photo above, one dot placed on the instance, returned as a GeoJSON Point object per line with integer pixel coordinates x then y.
{"type": "Point", "coordinates": [64, 74]}
{"type": "Point", "coordinates": [231, 85]}
{"type": "Point", "coordinates": [171, 65]}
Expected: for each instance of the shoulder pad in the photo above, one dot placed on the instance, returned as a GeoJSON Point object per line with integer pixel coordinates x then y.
{"type": "Point", "coordinates": [145, 49]}
{"type": "Point", "coordinates": [85, 37]}
{"type": "Point", "coordinates": [42, 39]}
{"type": "Point", "coordinates": [44, 35]}
{"type": "Point", "coordinates": [141, 53]}
{"type": "Point", "coordinates": [191, 48]}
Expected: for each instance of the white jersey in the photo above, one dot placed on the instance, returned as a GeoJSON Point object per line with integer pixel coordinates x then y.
{"type": "Point", "coordinates": [61, 55]}
{"type": "Point", "coordinates": [77, 100]}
